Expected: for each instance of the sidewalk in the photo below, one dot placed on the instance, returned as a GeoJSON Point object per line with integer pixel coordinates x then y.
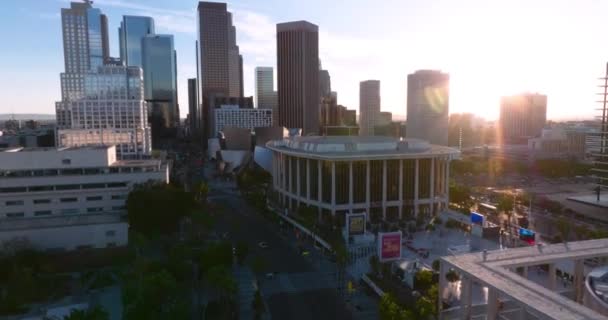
{"type": "Point", "coordinates": [246, 284]}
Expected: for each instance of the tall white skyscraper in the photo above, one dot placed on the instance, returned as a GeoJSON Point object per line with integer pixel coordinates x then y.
{"type": "Point", "coordinates": [369, 106]}
{"type": "Point", "coordinates": [428, 106]}
{"type": "Point", "coordinates": [265, 95]}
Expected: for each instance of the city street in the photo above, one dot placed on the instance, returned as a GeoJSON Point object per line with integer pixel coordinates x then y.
{"type": "Point", "coordinates": [298, 290]}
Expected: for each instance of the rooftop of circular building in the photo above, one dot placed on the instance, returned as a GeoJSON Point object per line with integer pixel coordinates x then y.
{"type": "Point", "coordinates": [367, 147]}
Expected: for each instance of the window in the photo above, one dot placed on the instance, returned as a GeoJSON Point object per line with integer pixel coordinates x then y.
{"type": "Point", "coordinates": [119, 208]}
{"type": "Point", "coordinates": [41, 201]}
{"type": "Point", "coordinates": [95, 209]}
{"type": "Point", "coordinates": [94, 186]}
{"type": "Point", "coordinates": [94, 198]}
{"type": "Point", "coordinates": [15, 215]}
{"type": "Point", "coordinates": [117, 185]}
{"type": "Point", "coordinates": [14, 203]}
{"type": "Point", "coordinates": [13, 190]}
{"type": "Point", "coordinates": [110, 233]}
{"type": "Point", "coordinates": [68, 199]}
{"type": "Point", "coordinates": [111, 244]}
{"type": "Point", "coordinates": [70, 211]}
{"type": "Point", "coordinates": [66, 161]}
{"type": "Point", "coordinates": [119, 196]}
{"type": "Point", "coordinates": [41, 188]}
{"type": "Point", "coordinates": [67, 187]}
{"type": "Point", "coordinates": [42, 213]}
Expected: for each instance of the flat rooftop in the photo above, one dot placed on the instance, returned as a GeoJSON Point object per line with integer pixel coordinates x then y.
{"type": "Point", "coordinates": [494, 272]}
{"type": "Point", "coordinates": [38, 149]}
{"type": "Point", "coordinates": [353, 147]}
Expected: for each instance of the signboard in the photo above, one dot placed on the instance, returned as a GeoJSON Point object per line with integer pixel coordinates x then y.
{"type": "Point", "coordinates": [527, 235]}
{"type": "Point", "coordinates": [476, 218]}
{"type": "Point", "coordinates": [355, 224]}
{"type": "Point", "coordinates": [389, 246]}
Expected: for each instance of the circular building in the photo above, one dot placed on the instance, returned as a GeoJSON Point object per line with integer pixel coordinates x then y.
{"type": "Point", "coordinates": [383, 176]}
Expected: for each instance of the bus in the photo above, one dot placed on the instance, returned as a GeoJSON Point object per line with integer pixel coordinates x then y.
{"type": "Point", "coordinates": [486, 209]}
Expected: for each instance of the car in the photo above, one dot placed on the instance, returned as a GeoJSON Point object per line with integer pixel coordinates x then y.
{"type": "Point", "coordinates": [263, 245]}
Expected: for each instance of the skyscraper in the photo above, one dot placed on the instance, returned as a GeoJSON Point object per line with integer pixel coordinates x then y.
{"type": "Point", "coordinates": [298, 75]}
{"type": "Point", "coordinates": [101, 104]}
{"type": "Point", "coordinates": [130, 34]}
{"type": "Point", "coordinates": [428, 106]}
{"type": "Point", "coordinates": [369, 106]}
{"type": "Point", "coordinates": [265, 96]}
{"type": "Point", "coordinates": [193, 115]}
{"type": "Point", "coordinates": [160, 83]}
{"type": "Point", "coordinates": [217, 56]}
{"type": "Point", "coordinates": [235, 61]}
{"type": "Point", "coordinates": [324, 83]}
{"type": "Point", "coordinates": [85, 46]}
{"type": "Point", "coordinates": [522, 116]}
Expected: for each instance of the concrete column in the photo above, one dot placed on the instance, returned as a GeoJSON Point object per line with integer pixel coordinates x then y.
{"type": "Point", "coordinates": [384, 164]}
{"type": "Point", "coordinates": [552, 276]}
{"type": "Point", "coordinates": [299, 192]}
{"type": "Point", "coordinates": [290, 176]}
{"type": "Point", "coordinates": [447, 183]}
{"type": "Point", "coordinates": [432, 186]}
{"type": "Point", "coordinates": [400, 189]}
{"type": "Point", "coordinates": [308, 179]}
{"type": "Point", "coordinates": [333, 188]}
{"type": "Point", "coordinates": [525, 272]}
{"type": "Point", "coordinates": [416, 189]}
{"type": "Point", "coordinates": [466, 297]}
{"type": "Point", "coordinates": [443, 283]}
{"type": "Point", "coordinates": [367, 186]}
{"type": "Point", "coordinates": [492, 311]}
{"type": "Point", "coordinates": [523, 313]}
{"type": "Point", "coordinates": [319, 188]}
{"type": "Point", "coordinates": [579, 278]}
{"type": "Point", "coordinates": [351, 198]}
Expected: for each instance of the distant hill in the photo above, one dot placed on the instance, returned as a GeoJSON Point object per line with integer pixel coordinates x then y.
{"type": "Point", "coordinates": [26, 116]}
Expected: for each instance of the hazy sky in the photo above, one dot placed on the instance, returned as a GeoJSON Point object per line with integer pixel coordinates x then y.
{"type": "Point", "coordinates": [490, 48]}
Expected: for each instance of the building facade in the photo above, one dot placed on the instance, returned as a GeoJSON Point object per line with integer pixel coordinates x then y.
{"type": "Point", "coordinates": [160, 84]}
{"type": "Point", "coordinates": [193, 111]}
{"type": "Point", "coordinates": [130, 34]}
{"type": "Point", "coordinates": [69, 198]}
{"type": "Point", "coordinates": [265, 95]}
{"type": "Point", "coordinates": [369, 106]}
{"type": "Point", "coordinates": [324, 83]}
{"type": "Point", "coordinates": [112, 102]}
{"type": "Point", "coordinates": [217, 56]}
{"type": "Point", "coordinates": [388, 178]}
{"type": "Point", "coordinates": [233, 116]}
{"type": "Point", "coordinates": [85, 46]}
{"type": "Point", "coordinates": [428, 105]}
{"type": "Point", "coordinates": [522, 117]}
{"type": "Point", "coordinates": [350, 117]}
{"type": "Point", "coordinates": [298, 75]}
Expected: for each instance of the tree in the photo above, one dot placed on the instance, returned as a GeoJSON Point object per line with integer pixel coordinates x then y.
{"type": "Point", "coordinates": [95, 313]}
{"type": "Point", "coordinates": [158, 208]}
{"type": "Point", "coordinates": [423, 280]}
{"type": "Point", "coordinates": [242, 249]}
{"type": "Point", "coordinates": [388, 309]}
{"type": "Point", "coordinates": [461, 195]}
{"type": "Point", "coordinates": [505, 205]}
{"type": "Point", "coordinates": [564, 227]}
{"type": "Point", "coordinates": [258, 265]}
{"type": "Point", "coordinates": [217, 254]}
{"type": "Point", "coordinates": [157, 297]}
{"type": "Point", "coordinates": [220, 279]}
{"type": "Point", "coordinates": [452, 276]}
{"type": "Point", "coordinates": [436, 264]}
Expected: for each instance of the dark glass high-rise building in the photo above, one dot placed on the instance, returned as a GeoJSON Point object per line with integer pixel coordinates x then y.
{"type": "Point", "coordinates": [219, 62]}
{"type": "Point", "coordinates": [130, 34]}
{"type": "Point", "coordinates": [160, 84]}
{"type": "Point", "coordinates": [85, 46]}
{"type": "Point", "coordinates": [298, 75]}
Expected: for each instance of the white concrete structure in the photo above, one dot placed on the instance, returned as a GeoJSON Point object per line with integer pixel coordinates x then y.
{"type": "Point", "coordinates": [69, 197]}
{"type": "Point", "coordinates": [113, 100]}
{"type": "Point", "coordinates": [383, 176]}
{"type": "Point", "coordinates": [369, 106]}
{"type": "Point", "coordinates": [235, 117]}
{"type": "Point", "coordinates": [511, 292]}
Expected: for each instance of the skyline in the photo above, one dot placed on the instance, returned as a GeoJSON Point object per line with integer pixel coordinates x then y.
{"type": "Point", "coordinates": [393, 44]}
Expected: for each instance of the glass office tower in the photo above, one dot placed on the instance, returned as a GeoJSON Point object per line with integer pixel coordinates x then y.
{"type": "Point", "coordinates": [160, 83]}
{"type": "Point", "coordinates": [130, 33]}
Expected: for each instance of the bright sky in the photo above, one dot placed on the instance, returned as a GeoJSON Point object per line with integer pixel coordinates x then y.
{"type": "Point", "coordinates": [489, 47]}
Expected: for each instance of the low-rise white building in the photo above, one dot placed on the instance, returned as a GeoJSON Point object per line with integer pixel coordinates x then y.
{"type": "Point", "coordinates": [69, 198]}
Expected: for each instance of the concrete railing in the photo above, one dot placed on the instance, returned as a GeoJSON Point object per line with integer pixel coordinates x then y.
{"type": "Point", "coordinates": [373, 285]}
